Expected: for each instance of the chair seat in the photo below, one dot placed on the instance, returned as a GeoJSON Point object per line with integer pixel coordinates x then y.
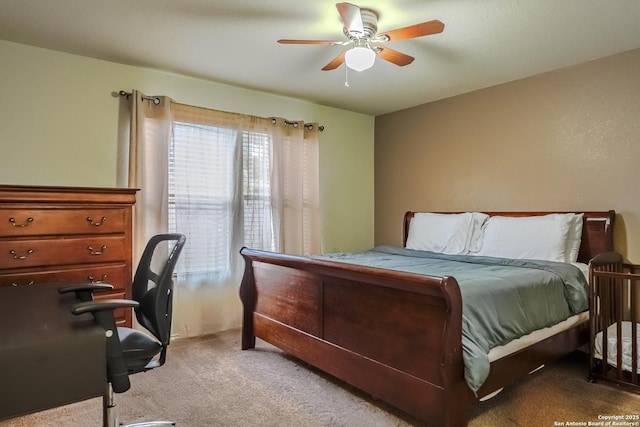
{"type": "Point", "coordinates": [138, 348]}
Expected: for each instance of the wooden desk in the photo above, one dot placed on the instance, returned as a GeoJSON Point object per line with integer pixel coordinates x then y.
{"type": "Point", "coordinates": [48, 356]}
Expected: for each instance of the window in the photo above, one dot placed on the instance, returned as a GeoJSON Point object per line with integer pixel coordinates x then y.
{"type": "Point", "coordinates": [201, 194]}
{"type": "Point", "coordinates": [225, 180]}
{"type": "Point", "coordinates": [258, 227]}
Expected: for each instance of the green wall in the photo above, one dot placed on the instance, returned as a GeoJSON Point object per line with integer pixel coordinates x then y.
{"type": "Point", "coordinates": [59, 125]}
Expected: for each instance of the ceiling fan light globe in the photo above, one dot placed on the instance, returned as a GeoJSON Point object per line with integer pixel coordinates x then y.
{"type": "Point", "coordinates": [360, 58]}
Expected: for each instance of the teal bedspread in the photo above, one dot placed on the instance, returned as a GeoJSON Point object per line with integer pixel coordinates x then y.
{"type": "Point", "coordinates": [502, 299]}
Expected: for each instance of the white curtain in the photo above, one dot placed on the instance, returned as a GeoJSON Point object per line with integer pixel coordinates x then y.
{"type": "Point", "coordinates": [296, 191]}
{"type": "Point", "coordinates": [251, 182]}
{"type": "Point", "coordinates": [143, 164]}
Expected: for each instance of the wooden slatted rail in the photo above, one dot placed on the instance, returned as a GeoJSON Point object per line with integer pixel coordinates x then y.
{"type": "Point", "coordinates": [614, 290]}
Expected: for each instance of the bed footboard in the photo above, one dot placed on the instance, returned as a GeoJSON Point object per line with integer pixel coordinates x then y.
{"type": "Point", "coordinates": [365, 326]}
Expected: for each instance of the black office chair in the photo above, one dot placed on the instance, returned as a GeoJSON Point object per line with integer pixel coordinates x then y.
{"type": "Point", "coordinates": [130, 351]}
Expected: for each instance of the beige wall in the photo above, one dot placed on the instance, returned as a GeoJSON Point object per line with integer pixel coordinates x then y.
{"type": "Point", "coordinates": [58, 126]}
{"type": "Point", "coordinates": [564, 140]}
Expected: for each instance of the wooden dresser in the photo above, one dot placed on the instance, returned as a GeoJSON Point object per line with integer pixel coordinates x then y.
{"type": "Point", "coordinates": [67, 235]}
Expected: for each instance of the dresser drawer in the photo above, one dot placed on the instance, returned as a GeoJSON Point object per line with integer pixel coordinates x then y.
{"type": "Point", "coordinates": [48, 252]}
{"type": "Point", "coordinates": [67, 235]}
{"type": "Point", "coordinates": [41, 222]}
{"type": "Point", "coordinates": [112, 274]}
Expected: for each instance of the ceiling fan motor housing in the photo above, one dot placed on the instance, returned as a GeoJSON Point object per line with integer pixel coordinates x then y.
{"type": "Point", "coordinates": [369, 25]}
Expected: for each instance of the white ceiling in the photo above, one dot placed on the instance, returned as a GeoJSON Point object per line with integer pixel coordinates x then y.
{"type": "Point", "coordinates": [484, 43]}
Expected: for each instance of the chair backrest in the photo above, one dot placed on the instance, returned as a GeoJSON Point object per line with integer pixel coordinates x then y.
{"type": "Point", "coordinates": [153, 284]}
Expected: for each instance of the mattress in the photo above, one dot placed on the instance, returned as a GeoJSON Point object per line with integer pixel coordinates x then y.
{"type": "Point", "coordinates": [612, 348]}
{"type": "Point", "coordinates": [537, 336]}
{"type": "Point", "coordinates": [544, 333]}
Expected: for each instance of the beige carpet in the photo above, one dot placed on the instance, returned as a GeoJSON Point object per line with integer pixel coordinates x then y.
{"type": "Point", "coordinates": [210, 382]}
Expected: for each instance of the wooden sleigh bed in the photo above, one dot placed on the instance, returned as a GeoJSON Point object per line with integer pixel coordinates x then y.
{"type": "Point", "coordinates": [351, 320]}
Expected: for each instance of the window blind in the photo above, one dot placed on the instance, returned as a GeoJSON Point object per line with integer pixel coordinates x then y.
{"type": "Point", "coordinates": [202, 193]}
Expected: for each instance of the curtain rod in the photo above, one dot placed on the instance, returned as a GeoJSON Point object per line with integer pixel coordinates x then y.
{"type": "Point", "coordinates": [156, 101]}
{"type": "Point", "coordinates": [308, 126]}
{"type": "Point", "coordinates": [125, 94]}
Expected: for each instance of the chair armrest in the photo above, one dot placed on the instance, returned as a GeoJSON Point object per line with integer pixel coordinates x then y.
{"type": "Point", "coordinates": [102, 312]}
{"type": "Point", "coordinates": [102, 305]}
{"type": "Point", "coordinates": [84, 291]}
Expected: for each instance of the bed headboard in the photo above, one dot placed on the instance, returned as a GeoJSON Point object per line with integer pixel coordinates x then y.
{"type": "Point", "coordinates": [597, 230]}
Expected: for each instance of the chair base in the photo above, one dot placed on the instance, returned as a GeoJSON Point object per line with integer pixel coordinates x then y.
{"type": "Point", "coordinates": [110, 419]}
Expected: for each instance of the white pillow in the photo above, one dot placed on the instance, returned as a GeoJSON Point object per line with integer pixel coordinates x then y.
{"type": "Point", "coordinates": [532, 237]}
{"type": "Point", "coordinates": [443, 233]}
{"type": "Point", "coordinates": [477, 231]}
{"type": "Point", "coordinates": [574, 238]}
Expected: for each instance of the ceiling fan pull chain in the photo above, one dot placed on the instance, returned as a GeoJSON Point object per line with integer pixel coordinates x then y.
{"type": "Point", "coordinates": [346, 76]}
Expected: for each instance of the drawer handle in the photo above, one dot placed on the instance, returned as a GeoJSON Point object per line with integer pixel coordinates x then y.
{"type": "Point", "coordinates": [102, 279]}
{"type": "Point", "coordinates": [15, 285]}
{"type": "Point", "coordinates": [92, 251]}
{"type": "Point", "coordinates": [12, 220]}
{"type": "Point", "coordinates": [16, 256]}
{"type": "Point", "coordinates": [96, 223]}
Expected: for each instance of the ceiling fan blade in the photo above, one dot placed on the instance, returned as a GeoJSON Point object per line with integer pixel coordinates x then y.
{"type": "Point", "coordinates": [417, 30]}
{"type": "Point", "coordinates": [335, 63]}
{"type": "Point", "coordinates": [394, 56]}
{"type": "Point", "coordinates": [289, 41]}
{"type": "Point", "coordinates": [351, 17]}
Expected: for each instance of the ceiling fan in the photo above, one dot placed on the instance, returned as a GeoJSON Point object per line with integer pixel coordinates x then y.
{"type": "Point", "coordinates": [361, 27]}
